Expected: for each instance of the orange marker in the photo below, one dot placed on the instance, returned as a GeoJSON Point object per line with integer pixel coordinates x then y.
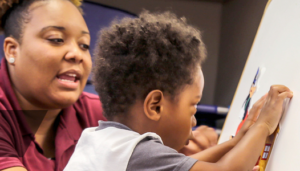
{"type": "Point", "coordinates": [265, 154]}
{"type": "Point", "coordinates": [264, 157]}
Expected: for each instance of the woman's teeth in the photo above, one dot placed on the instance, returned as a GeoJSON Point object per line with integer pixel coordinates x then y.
{"type": "Point", "coordinates": [67, 77]}
{"type": "Point", "coordinates": [72, 75]}
{"type": "Point", "coordinates": [65, 80]}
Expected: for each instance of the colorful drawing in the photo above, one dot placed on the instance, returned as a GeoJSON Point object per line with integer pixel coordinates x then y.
{"type": "Point", "coordinates": [265, 154]}
{"type": "Point", "coordinates": [246, 104]}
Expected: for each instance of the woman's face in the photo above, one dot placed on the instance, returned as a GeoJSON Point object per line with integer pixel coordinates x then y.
{"type": "Point", "coordinates": [53, 62]}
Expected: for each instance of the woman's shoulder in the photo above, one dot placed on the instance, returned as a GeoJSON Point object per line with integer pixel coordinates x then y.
{"type": "Point", "coordinates": [6, 101]}
{"type": "Point", "coordinates": [89, 96]}
{"type": "Point", "coordinates": [89, 106]}
{"type": "Point", "coordinates": [89, 99]}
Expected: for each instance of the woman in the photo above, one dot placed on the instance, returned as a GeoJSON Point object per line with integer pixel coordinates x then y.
{"type": "Point", "coordinates": [43, 109]}
{"type": "Point", "coordinates": [46, 66]}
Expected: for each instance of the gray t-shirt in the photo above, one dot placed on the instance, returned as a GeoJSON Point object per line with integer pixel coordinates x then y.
{"type": "Point", "coordinates": [151, 155]}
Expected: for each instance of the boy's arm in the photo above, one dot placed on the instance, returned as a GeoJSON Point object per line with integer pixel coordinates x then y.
{"type": "Point", "coordinates": [244, 155]}
{"type": "Point", "coordinates": [204, 137]}
{"type": "Point", "coordinates": [214, 154]}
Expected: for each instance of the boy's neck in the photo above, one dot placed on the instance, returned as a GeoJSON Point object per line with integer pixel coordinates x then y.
{"type": "Point", "coordinates": [134, 124]}
{"type": "Point", "coordinates": [136, 120]}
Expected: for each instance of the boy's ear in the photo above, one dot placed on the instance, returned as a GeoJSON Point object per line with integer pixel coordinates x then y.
{"type": "Point", "coordinates": [153, 105]}
{"type": "Point", "coordinates": [10, 47]}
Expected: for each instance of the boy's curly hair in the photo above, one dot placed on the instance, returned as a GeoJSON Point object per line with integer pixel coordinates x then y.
{"type": "Point", "coordinates": [136, 56]}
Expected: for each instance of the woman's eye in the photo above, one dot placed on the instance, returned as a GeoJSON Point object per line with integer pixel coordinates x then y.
{"type": "Point", "coordinates": [85, 46]}
{"type": "Point", "coordinates": [56, 40]}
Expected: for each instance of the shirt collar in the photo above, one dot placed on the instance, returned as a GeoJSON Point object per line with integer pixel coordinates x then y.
{"type": "Point", "coordinates": [70, 122]}
{"type": "Point", "coordinates": [13, 108]}
{"type": "Point", "coordinates": [106, 124]}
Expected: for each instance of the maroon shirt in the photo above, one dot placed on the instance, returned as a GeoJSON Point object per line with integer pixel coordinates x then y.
{"type": "Point", "coordinates": [17, 142]}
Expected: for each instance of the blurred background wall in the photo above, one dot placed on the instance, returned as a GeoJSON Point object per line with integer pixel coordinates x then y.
{"type": "Point", "coordinates": [228, 27]}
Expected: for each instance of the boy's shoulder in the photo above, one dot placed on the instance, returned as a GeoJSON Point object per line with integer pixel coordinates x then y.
{"type": "Point", "coordinates": [151, 154]}
{"type": "Point", "coordinates": [114, 146]}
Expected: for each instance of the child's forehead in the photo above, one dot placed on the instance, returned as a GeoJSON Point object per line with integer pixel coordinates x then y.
{"type": "Point", "coordinates": [193, 91]}
{"type": "Point", "coordinates": [198, 78]}
{"type": "Point", "coordinates": [198, 83]}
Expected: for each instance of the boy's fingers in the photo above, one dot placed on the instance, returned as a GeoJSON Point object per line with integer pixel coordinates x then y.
{"type": "Point", "coordinates": [205, 136]}
{"type": "Point", "coordinates": [254, 112]}
{"type": "Point", "coordinates": [277, 94]}
{"type": "Point", "coordinates": [278, 89]}
{"type": "Point", "coordinates": [280, 97]}
{"type": "Point", "coordinates": [201, 141]}
{"type": "Point", "coordinates": [259, 104]}
{"type": "Point", "coordinates": [190, 149]}
{"type": "Point", "coordinates": [255, 168]}
{"type": "Point", "coordinates": [286, 95]}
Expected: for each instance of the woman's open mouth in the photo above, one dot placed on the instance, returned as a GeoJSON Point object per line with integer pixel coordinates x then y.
{"type": "Point", "coordinates": [69, 79]}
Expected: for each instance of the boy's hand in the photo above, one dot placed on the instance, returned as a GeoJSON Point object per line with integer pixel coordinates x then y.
{"type": "Point", "coordinates": [252, 116]}
{"type": "Point", "coordinates": [204, 137]}
{"type": "Point", "coordinates": [272, 110]}
{"type": "Point", "coordinates": [255, 168]}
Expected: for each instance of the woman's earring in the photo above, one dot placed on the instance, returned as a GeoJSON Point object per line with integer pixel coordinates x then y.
{"type": "Point", "coordinates": [11, 60]}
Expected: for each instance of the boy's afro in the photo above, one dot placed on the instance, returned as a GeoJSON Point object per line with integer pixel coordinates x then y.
{"type": "Point", "coordinates": [136, 56]}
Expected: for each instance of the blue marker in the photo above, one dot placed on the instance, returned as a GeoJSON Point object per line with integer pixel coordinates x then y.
{"type": "Point", "coordinates": [212, 109]}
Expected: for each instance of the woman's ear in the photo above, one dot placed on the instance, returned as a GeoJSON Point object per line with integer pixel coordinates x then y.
{"type": "Point", "coordinates": [153, 105]}
{"type": "Point", "coordinates": [10, 47]}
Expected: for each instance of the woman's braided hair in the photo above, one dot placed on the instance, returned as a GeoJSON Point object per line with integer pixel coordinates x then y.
{"type": "Point", "coordinates": [13, 14]}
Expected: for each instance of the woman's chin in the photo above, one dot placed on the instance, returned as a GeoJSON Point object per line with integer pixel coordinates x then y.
{"type": "Point", "coordinates": [65, 100]}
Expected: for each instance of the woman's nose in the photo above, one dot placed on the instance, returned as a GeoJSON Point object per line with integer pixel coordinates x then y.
{"type": "Point", "coordinates": [74, 53]}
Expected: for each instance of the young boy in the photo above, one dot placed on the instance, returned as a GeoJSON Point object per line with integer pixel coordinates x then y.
{"type": "Point", "coordinates": [149, 78]}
